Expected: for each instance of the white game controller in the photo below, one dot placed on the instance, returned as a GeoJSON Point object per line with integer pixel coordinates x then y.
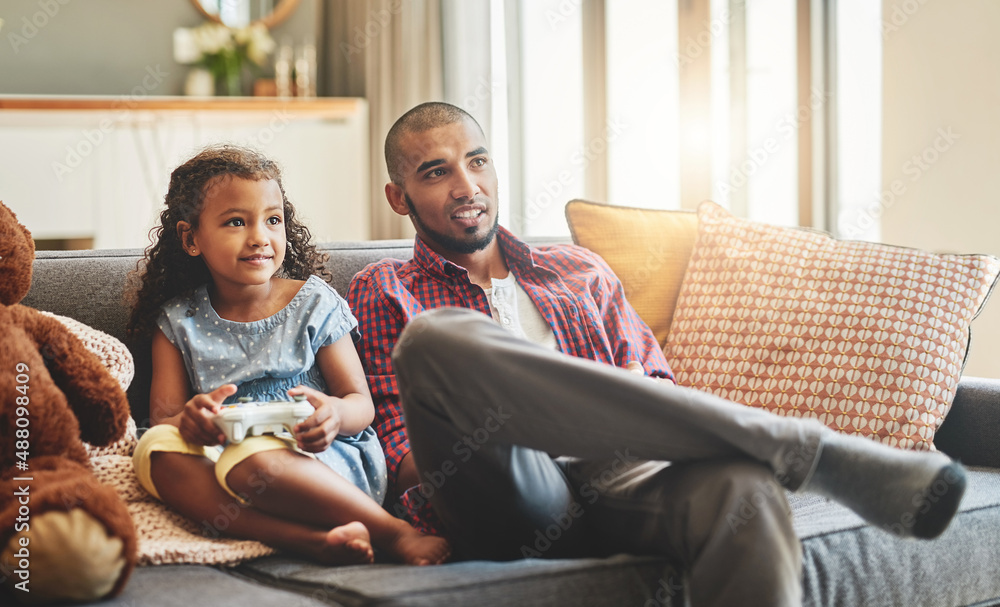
{"type": "Point", "coordinates": [248, 418]}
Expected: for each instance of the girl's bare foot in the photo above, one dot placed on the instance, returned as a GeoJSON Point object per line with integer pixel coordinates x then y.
{"type": "Point", "coordinates": [415, 548]}
{"type": "Point", "coordinates": [348, 544]}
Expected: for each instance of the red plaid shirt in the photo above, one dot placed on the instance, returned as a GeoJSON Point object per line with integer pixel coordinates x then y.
{"type": "Point", "coordinates": [573, 288]}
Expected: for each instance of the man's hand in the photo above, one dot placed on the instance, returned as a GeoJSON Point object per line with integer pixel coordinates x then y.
{"type": "Point", "coordinates": [196, 425]}
{"type": "Point", "coordinates": [634, 366]}
{"type": "Point", "coordinates": [317, 433]}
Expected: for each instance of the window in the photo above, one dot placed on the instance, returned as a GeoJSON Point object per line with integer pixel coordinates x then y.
{"type": "Point", "coordinates": [755, 127]}
{"type": "Point", "coordinates": [783, 134]}
{"type": "Point", "coordinates": [552, 102]}
{"type": "Point", "coordinates": [641, 131]}
{"type": "Point", "coordinates": [860, 196]}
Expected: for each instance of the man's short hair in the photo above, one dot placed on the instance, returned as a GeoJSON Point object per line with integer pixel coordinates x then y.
{"type": "Point", "coordinates": [424, 117]}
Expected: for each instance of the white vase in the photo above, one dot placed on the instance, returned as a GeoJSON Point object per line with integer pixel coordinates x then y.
{"type": "Point", "coordinates": [199, 83]}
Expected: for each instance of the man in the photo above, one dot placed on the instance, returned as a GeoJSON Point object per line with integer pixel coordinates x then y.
{"type": "Point", "coordinates": [532, 438]}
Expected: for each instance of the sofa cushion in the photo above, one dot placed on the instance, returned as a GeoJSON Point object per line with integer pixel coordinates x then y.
{"type": "Point", "coordinates": [190, 585]}
{"type": "Point", "coordinates": [647, 249]}
{"type": "Point", "coordinates": [868, 338]}
{"type": "Point", "coordinates": [616, 580]}
{"type": "Point", "coordinates": [846, 562]}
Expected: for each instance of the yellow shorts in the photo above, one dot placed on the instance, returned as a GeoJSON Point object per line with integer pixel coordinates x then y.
{"type": "Point", "coordinates": [164, 437]}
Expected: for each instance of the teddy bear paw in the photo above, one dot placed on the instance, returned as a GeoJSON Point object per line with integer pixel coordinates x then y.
{"type": "Point", "coordinates": [65, 556]}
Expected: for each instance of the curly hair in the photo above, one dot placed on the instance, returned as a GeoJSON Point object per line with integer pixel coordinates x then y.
{"type": "Point", "coordinates": [167, 271]}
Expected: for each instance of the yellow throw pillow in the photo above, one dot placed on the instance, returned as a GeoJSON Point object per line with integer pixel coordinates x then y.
{"type": "Point", "coordinates": [870, 339]}
{"type": "Point", "coordinates": [648, 249]}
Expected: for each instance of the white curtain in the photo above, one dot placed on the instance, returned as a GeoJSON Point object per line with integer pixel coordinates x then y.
{"type": "Point", "coordinates": [390, 52]}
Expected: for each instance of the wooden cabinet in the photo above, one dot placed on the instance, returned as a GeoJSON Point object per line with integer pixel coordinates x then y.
{"type": "Point", "coordinates": [98, 168]}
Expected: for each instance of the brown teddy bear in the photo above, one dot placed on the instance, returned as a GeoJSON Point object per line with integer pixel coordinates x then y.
{"type": "Point", "coordinates": [63, 535]}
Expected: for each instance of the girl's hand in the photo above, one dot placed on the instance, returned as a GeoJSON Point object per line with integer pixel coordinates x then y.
{"type": "Point", "coordinates": [317, 433]}
{"type": "Point", "coordinates": [196, 425]}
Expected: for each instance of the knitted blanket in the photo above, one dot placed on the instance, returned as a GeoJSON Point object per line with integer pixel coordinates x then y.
{"type": "Point", "coordinates": [164, 536]}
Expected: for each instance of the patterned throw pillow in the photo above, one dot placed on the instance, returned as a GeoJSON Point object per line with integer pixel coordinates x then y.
{"type": "Point", "coordinates": [869, 339]}
{"type": "Point", "coordinates": [647, 249]}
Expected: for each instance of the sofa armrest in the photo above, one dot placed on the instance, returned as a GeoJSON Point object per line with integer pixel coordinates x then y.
{"type": "Point", "coordinates": [971, 431]}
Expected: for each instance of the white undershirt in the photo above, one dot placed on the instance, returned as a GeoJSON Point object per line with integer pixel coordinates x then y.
{"type": "Point", "coordinates": [513, 310]}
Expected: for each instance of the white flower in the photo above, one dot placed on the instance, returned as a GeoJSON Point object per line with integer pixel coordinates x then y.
{"type": "Point", "coordinates": [185, 47]}
{"type": "Point", "coordinates": [242, 35]}
{"type": "Point", "coordinates": [257, 41]}
{"type": "Point", "coordinates": [202, 43]}
{"type": "Point", "coordinates": [211, 38]}
{"type": "Point", "coordinates": [223, 51]}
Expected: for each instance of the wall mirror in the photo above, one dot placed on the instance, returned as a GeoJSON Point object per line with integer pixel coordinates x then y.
{"type": "Point", "coordinates": [240, 13]}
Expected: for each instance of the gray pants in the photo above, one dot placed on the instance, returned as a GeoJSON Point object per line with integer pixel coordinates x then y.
{"type": "Point", "coordinates": [526, 452]}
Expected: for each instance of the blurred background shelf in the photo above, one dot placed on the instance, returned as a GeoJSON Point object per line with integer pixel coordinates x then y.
{"type": "Point", "coordinates": [95, 169]}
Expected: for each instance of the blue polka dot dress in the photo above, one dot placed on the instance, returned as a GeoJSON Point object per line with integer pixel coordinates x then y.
{"type": "Point", "coordinates": [267, 357]}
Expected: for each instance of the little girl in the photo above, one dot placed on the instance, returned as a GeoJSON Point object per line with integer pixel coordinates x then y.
{"type": "Point", "coordinates": [230, 299]}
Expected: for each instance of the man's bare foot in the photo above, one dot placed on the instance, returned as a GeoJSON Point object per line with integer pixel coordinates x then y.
{"type": "Point", "coordinates": [414, 548]}
{"type": "Point", "coordinates": [348, 544]}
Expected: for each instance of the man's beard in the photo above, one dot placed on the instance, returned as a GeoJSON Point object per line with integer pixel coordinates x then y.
{"type": "Point", "coordinates": [450, 243]}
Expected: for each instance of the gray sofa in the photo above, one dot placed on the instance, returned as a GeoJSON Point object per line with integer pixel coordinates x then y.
{"type": "Point", "coordinates": [846, 562]}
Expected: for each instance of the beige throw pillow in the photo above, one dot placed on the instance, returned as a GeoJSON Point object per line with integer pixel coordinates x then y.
{"type": "Point", "coordinates": [869, 339]}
